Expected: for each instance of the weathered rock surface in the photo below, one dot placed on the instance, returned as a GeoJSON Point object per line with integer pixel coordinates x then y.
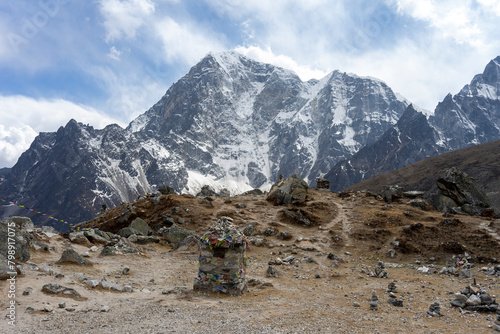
{"type": "Point", "coordinates": [21, 243]}
{"type": "Point", "coordinates": [458, 192]}
{"type": "Point", "coordinates": [71, 256]}
{"type": "Point", "coordinates": [176, 235]}
{"type": "Point", "coordinates": [56, 289]}
{"type": "Point", "coordinates": [288, 191]}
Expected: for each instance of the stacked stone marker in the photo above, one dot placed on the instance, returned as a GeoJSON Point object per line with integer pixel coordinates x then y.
{"type": "Point", "coordinates": [222, 260]}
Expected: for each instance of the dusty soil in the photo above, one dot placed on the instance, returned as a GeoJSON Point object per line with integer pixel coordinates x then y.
{"type": "Point", "coordinates": [310, 296]}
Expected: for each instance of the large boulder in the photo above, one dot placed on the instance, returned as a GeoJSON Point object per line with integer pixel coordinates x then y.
{"type": "Point", "coordinates": [176, 235]}
{"type": "Point", "coordinates": [97, 236]}
{"type": "Point", "coordinates": [391, 193]}
{"type": "Point", "coordinates": [5, 270]}
{"type": "Point", "coordinates": [458, 192]}
{"type": "Point", "coordinates": [288, 191]}
{"type": "Point", "coordinates": [166, 190]}
{"type": "Point", "coordinates": [13, 236]}
{"type": "Point", "coordinates": [206, 191]}
{"type": "Point", "coordinates": [22, 223]}
{"type": "Point", "coordinates": [141, 226]}
{"type": "Point", "coordinates": [71, 256]}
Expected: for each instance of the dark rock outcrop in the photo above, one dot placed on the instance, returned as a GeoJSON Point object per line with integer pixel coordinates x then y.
{"type": "Point", "coordinates": [288, 191]}
{"type": "Point", "coordinates": [459, 192]}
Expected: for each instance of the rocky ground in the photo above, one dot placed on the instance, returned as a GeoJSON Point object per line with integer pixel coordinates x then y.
{"type": "Point", "coordinates": [337, 243]}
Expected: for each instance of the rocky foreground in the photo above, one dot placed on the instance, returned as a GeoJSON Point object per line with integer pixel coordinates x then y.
{"type": "Point", "coordinates": [336, 263]}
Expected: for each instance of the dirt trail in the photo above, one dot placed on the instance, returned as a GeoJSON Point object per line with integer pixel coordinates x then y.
{"type": "Point", "coordinates": [342, 222]}
{"type": "Point", "coordinates": [490, 231]}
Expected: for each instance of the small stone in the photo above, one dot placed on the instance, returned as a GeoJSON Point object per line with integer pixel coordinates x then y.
{"type": "Point", "coordinates": [62, 305]}
{"type": "Point", "coordinates": [473, 300]}
{"type": "Point", "coordinates": [71, 256]}
{"type": "Point", "coordinates": [126, 271]}
{"type": "Point", "coordinates": [104, 308]}
{"type": "Point", "coordinates": [92, 283]}
{"type": "Point", "coordinates": [94, 249]}
{"type": "Point", "coordinates": [80, 276]}
{"type": "Point", "coordinates": [271, 271]}
{"type": "Point", "coordinates": [48, 308]}
{"type": "Point", "coordinates": [127, 288]}
{"type": "Point", "coordinates": [27, 291]}
{"type": "Point", "coordinates": [356, 304]}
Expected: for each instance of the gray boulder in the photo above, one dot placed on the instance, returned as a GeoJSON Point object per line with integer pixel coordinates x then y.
{"type": "Point", "coordinates": [4, 268]}
{"type": "Point", "coordinates": [128, 231]}
{"type": "Point", "coordinates": [141, 226]}
{"type": "Point", "coordinates": [56, 289]}
{"type": "Point", "coordinates": [166, 190]}
{"type": "Point", "coordinates": [288, 191]}
{"type": "Point", "coordinates": [176, 235]}
{"type": "Point", "coordinates": [206, 191]}
{"type": "Point", "coordinates": [49, 230]}
{"type": "Point", "coordinates": [78, 237]}
{"type": "Point", "coordinates": [22, 252]}
{"type": "Point", "coordinates": [255, 191]}
{"type": "Point", "coordinates": [22, 223]}
{"type": "Point", "coordinates": [71, 256]}
{"type": "Point", "coordinates": [391, 193]}
{"type": "Point", "coordinates": [457, 192]}
{"type": "Point", "coordinates": [97, 236]}
{"type": "Point", "coordinates": [119, 246]}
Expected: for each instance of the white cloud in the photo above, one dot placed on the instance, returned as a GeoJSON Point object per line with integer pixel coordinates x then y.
{"type": "Point", "coordinates": [124, 17]}
{"type": "Point", "coordinates": [114, 53]}
{"type": "Point", "coordinates": [456, 19]}
{"type": "Point", "coordinates": [491, 5]}
{"type": "Point", "coordinates": [187, 43]}
{"type": "Point", "coordinates": [24, 117]}
{"type": "Point", "coordinates": [267, 56]}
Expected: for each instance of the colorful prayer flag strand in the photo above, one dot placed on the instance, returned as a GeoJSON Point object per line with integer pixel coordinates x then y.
{"type": "Point", "coordinates": [35, 211]}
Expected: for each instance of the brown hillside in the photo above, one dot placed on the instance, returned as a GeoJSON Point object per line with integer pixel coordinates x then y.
{"type": "Point", "coordinates": [326, 289]}
{"type": "Point", "coordinates": [481, 162]}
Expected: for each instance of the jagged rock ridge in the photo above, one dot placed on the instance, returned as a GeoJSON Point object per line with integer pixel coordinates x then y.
{"type": "Point", "coordinates": [231, 122]}
{"type": "Point", "coordinates": [468, 118]}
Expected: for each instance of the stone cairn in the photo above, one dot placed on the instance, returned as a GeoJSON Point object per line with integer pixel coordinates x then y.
{"type": "Point", "coordinates": [222, 260]}
{"type": "Point", "coordinates": [392, 289]}
{"type": "Point", "coordinates": [380, 271]}
{"type": "Point", "coordinates": [475, 298]}
{"type": "Point", "coordinates": [322, 184]}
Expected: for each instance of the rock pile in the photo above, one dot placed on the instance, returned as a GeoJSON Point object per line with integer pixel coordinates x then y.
{"type": "Point", "coordinates": [380, 271]}
{"type": "Point", "coordinates": [458, 265]}
{"type": "Point", "coordinates": [222, 259]}
{"type": "Point", "coordinates": [322, 184]}
{"type": "Point", "coordinates": [494, 271]}
{"type": "Point", "coordinates": [374, 301]}
{"type": "Point", "coordinates": [475, 298]}
{"type": "Point", "coordinates": [434, 310]}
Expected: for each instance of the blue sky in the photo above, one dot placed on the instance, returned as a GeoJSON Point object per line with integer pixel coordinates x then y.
{"type": "Point", "coordinates": [107, 61]}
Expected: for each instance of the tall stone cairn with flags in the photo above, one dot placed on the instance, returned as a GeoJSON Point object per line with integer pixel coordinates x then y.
{"type": "Point", "coordinates": [222, 260]}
